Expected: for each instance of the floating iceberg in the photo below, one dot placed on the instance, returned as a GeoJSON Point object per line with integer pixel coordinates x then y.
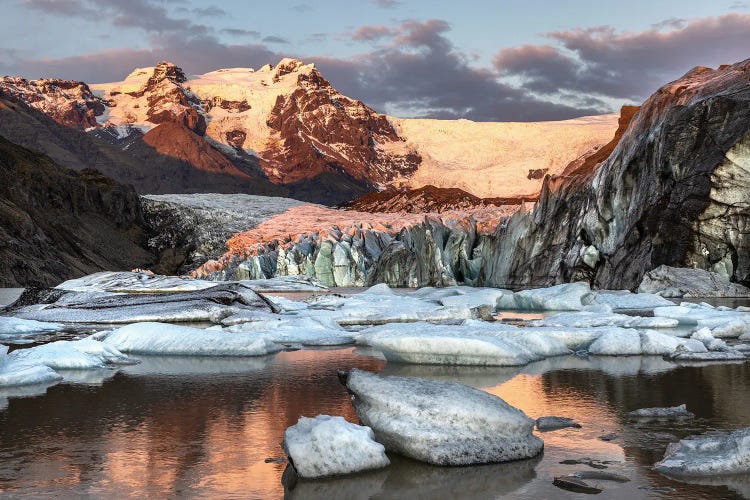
{"type": "Point", "coordinates": [210, 305]}
{"type": "Point", "coordinates": [166, 339]}
{"type": "Point", "coordinates": [297, 329]}
{"type": "Point", "coordinates": [708, 455]}
{"type": "Point", "coordinates": [17, 326]}
{"type": "Point", "coordinates": [134, 282]}
{"type": "Point", "coordinates": [478, 297]}
{"type": "Point", "coordinates": [471, 343]}
{"type": "Point", "coordinates": [82, 354]}
{"type": "Point", "coordinates": [723, 322]}
{"type": "Point", "coordinates": [14, 372]}
{"type": "Point", "coordinates": [667, 413]}
{"type": "Point", "coordinates": [329, 446]}
{"type": "Point", "coordinates": [567, 297]}
{"type": "Point", "coordinates": [625, 299]}
{"type": "Point", "coordinates": [660, 344]}
{"type": "Point", "coordinates": [592, 319]}
{"type": "Point", "coordinates": [380, 305]}
{"type": "Point", "coordinates": [442, 423]}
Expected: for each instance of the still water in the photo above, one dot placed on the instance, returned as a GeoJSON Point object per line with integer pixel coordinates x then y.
{"type": "Point", "coordinates": [211, 428]}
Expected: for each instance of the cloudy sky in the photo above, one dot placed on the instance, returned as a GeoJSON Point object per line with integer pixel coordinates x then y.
{"type": "Point", "coordinates": [481, 59]}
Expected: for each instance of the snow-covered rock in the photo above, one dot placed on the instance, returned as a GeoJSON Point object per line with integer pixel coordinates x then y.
{"type": "Point", "coordinates": [708, 455]}
{"type": "Point", "coordinates": [566, 297]}
{"type": "Point", "coordinates": [687, 282]}
{"type": "Point", "coordinates": [82, 354]}
{"type": "Point", "coordinates": [328, 446]}
{"type": "Point", "coordinates": [166, 339]}
{"type": "Point", "coordinates": [443, 423]}
{"type": "Point", "coordinates": [17, 326]}
{"type": "Point", "coordinates": [15, 372]}
{"type": "Point", "coordinates": [667, 413]}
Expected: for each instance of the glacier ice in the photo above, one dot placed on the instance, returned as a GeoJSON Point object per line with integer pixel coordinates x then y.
{"type": "Point", "coordinates": [297, 329]}
{"type": "Point", "coordinates": [593, 319]}
{"type": "Point", "coordinates": [708, 455]}
{"type": "Point", "coordinates": [442, 423]}
{"type": "Point", "coordinates": [566, 297]}
{"type": "Point", "coordinates": [166, 339]}
{"type": "Point", "coordinates": [625, 299]}
{"type": "Point", "coordinates": [722, 321]}
{"type": "Point", "coordinates": [328, 446]}
{"type": "Point", "coordinates": [657, 413]}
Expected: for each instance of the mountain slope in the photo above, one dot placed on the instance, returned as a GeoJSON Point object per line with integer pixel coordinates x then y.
{"type": "Point", "coordinates": [290, 126]}
{"type": "Point", "coordinates": [57, 224]}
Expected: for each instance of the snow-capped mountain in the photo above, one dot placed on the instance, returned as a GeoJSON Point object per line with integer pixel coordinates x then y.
{"type": "Point", "coordinates": [289, 125]}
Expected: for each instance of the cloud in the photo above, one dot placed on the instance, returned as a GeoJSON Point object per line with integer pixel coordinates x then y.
{"type": "Point", "coordinates": [241, 32]}
{"type": "Point", "coordinates": [420, 72]}
{"type": "Point", "coordinates": [210, 11]}
{"type": "Point", "coordinates": [386, 4]}
{"type": "Point", "coordinates": [275, 39]}
{"type": "Point", "coordinates": [603, 63]}
{"type": "Point", "coordinates": [302, 8]}
{"type": "Point", "coordinates": [372, 33]}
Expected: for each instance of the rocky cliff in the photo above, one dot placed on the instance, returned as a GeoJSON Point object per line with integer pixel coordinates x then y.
{"type": "Point", "coordinates": [674, 191]}
{"type": "Point", "coordinates": [57, 223]}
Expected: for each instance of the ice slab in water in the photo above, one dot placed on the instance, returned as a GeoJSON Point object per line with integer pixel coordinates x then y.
{"type": "Point", "coordinates": [210, 305]}
{"type": "Point", "coordinates": [14, 372]}
{"type": "Point", "coordinates": [328, 446]}
{"type": "Point", "coordinates": [591, 319]}
{"type": "Point", "coordinates": [666, 413]}
{"type": "Point", "coordinates": [297, 329]}
{"type": "Point", "coordinates": [17, 326]}
{"type": "Point", "coordinates": [82, 354]}
{"type": "Point", "coordinates": [709, 455]}
{"type": "Point", "coordinates": [134, 282]}
{"type": "Point", "coordinates": [443, 423]}
{"type": "Point", "coordinates": [723, 322]}
{"type": "Point", "coordinates": [166, 339]}
{"type": "Point", "coordinates": [567, 297]}
{"type": "Point", "coordinates": [625, 299]}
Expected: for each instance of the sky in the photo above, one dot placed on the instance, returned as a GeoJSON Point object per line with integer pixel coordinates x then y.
{"type": "Point", "coordinates": [484, 60]}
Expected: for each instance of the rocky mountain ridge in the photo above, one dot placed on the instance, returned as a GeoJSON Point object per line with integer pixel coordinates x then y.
{"type": "Point", "coordinates": [289, 125]}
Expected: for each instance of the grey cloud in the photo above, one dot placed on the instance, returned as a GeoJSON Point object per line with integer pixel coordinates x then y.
{"type": "Point", "coordinates": [386, 4]}
{"type": "Point", "coordinates": [275, 39]}
{"type": "Point", "coordinates": [372, 33]}
{"type": "Point", "coordinates": [627, 66]}
{"type": "Point", "coordinates": [241, 32]}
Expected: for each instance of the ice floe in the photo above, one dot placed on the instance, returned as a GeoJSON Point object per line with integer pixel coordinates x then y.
{"type": "Point", "coordinates": [297, 329]}
{"type": "Point", "coordinates": [592, 319]}
{"type": "Point", "coordinates": [442, 423]}
{"type": "Point", "coordinates": [209, 305]}
{"type": "Point", "coordinates": [72, 355]}
{"type": "Point", "coordinates": [17, 326]}
{"type": "Point", "coordinates": [627, 300]}
{"type": "Point", "coordinates": [567, 297]}
{"type": "Point", "coordinates": [658, 413]}
{"type": "Point", "coordinates": [14, 372]}
{"type": "Point", "coordinates": [723, 322]}
{"type": "Point", "coordinates": [166, 339]}
{"type": "Point", "coordinates": [328, 446]}
{"type": "Point", "coordinates": [708, 455]}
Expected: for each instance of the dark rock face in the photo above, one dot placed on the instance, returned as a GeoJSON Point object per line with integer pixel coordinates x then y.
{"type": "Point", "coordinates": [674, 192]}
{"type": "Point", "coordinates": [68, 102]}
{"type": "Point", "coordinates": [537, 173]}
{"type": "Point", "coordinates": [57, 224]}
{"type": "Point", "coordinates": [322, 131]}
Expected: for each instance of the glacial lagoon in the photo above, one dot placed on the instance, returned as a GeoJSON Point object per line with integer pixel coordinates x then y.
{"type": "Point", "coordinates": [212, 427]}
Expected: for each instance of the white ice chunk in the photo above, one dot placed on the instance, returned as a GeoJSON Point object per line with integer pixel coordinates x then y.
{"type": "Point", "coordinates": [16, 326]}
{"type": "Point", "coordinates": [14, 372]}
{"type": "Point", "coordinates": [133, 282]}
{"type": "Point", "coordinates": [724, 323]}
{"type": "Point", "coordinates": [442, 423]}
{"type": "Point", "coordinates": [625, 299]}
{"type": "Point", "coordinates": [708, 455]}
{"type": "Point", "coordinates": [82, 354]}
{"type": "Point", "coordinates": [705, 336]}
{"type": "Point", "coordinates": [488, 297]}
{"type": "Point", "coordinates": [588, 319]}
{"type": "Point", "coordinates": [659, 344]}
{"type": "Point", "coordinates": [166, 339]}
{"type": "Point", "coordinates": [617, 343]}
{"type": "Point", "coordinates": [658, 413]}
{"type": "Point", "coordinates": [567, 297]}
{"type": "Point", "coordinates": [328, 446]}
{"type": "Point", "coordinates": [297, 329]}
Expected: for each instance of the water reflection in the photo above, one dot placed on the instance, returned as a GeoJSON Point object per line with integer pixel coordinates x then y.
{"type": "Point", "coordinates": [205, 427]}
